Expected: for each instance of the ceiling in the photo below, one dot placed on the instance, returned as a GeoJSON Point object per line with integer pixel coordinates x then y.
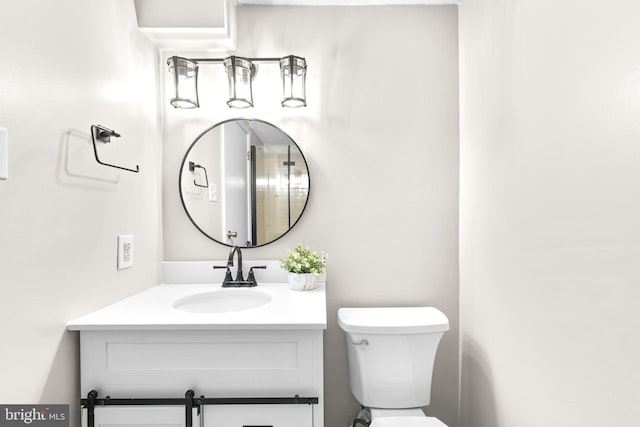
{"type": "Point", "coordinates": [209, 25]}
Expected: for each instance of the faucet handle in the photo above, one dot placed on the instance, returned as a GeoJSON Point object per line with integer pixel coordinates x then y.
{"type": "Point", "coordinates": [227, 276]}
{"type": "Point", "coordinates": [251, 278]}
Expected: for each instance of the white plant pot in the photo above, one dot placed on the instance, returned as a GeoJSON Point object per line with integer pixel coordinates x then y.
{"type": "Point", "coordinates": [303, 281]}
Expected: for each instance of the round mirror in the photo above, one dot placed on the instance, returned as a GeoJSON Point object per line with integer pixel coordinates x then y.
{"type": "Point", "coordinates": [244, 182]}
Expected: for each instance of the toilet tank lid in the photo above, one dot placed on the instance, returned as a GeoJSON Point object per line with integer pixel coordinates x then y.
{"type": "Point", "coordinates": [392, 320]}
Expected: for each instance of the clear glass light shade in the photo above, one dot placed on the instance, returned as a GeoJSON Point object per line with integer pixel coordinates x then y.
{"type": "Point", "coordinates": [293, 70]}
{"type": "Point", "coordinates": [184, 75]}
{"type": "Point", "coordinates": [240, 72]}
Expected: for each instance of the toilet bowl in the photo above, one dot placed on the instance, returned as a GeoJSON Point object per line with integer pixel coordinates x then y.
{"type": "Point", "coordinates": [396, 418]}
{"type": "Point", "coordinates": [402, 418]}
{"type": "Point", "coordinates": [391, 352]}
{"type": "Point", "coordinates": [407, 422]}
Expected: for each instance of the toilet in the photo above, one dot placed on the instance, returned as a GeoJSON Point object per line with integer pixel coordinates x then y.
{"type": "Point", "coordinates": [391, 351]}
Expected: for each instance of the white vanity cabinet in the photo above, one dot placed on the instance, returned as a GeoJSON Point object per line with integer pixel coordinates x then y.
{"type": "Point", "coordinates": [161, 356]}
{"type": "Point", "coordinates": [214, 363]}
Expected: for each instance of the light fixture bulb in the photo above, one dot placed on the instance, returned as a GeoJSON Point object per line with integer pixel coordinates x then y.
{"type": "Point", "coordinates": [239, 103]}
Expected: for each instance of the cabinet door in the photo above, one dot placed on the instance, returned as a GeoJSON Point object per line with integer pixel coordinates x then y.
{"type": "Point", "coordinates": [135, 416]}
{"type": "Point", "coordinates": [258, 416]}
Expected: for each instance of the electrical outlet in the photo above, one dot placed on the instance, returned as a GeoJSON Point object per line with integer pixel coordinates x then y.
{"type": "Point", "coordinates": [125, 251]}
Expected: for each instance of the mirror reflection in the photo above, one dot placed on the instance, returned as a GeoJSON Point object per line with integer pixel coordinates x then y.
{"type": "Point", "coordinates": [244, 182]}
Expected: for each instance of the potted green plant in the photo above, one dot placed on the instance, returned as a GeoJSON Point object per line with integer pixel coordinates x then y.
{"type": "Point", "coordinates": [304, 265]}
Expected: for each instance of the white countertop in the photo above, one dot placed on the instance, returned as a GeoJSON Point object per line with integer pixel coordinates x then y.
{"type": "Point", "coordinates": [153, 310]}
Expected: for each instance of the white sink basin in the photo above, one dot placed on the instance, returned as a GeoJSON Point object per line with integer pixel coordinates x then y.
{"type": "Point", "coordinates": [223, 301]}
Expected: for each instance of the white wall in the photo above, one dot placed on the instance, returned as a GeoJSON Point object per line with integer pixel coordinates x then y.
{"type": "Point", "coordinates": [550, 202]}
{"type": "Point", "coordinates": [380, 135]}
{"type": "Point", "coordinates": [66, 65]}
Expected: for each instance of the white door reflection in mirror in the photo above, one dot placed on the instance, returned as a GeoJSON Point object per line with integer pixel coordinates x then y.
{"type": "Point", "coordinates": [236, 171]}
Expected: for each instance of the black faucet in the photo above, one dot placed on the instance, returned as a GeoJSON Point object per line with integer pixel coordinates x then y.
{"type": "Point", "coordinates": [236, 250]}
{"type": "Point", "coordinates": [239, 281]}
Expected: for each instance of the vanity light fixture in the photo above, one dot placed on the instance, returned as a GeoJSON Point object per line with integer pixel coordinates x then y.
{"type": "Point", "coordinates": [293, 71]}
{"type": "Point", "coordinates": [240, 74]}
{"type": "Point", "coordinates": [185, 82]}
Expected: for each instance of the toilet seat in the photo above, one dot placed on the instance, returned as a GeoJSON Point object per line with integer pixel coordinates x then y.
{"type": "Point", "coordinates": [407, 422]}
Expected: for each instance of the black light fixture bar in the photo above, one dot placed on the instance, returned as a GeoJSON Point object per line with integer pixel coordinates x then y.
{"type": "Point", "coordinates": [213, 60]}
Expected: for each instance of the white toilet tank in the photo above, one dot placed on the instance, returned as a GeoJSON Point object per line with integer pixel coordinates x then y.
{"type": "Point", "coordinates": [391, 352]}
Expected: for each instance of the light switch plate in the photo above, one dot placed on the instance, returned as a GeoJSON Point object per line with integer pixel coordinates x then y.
{"type": "Point", "coordinates": [4, 154]}
{"type": "Point", "coordinates": [125, 251]}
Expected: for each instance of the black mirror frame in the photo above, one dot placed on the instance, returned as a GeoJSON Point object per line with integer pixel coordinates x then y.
{"type": "Point", "coordinates": [184, 161]}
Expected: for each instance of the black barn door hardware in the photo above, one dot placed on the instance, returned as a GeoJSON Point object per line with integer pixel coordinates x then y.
{"type": "Point", "coordinates": [189, 402]}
